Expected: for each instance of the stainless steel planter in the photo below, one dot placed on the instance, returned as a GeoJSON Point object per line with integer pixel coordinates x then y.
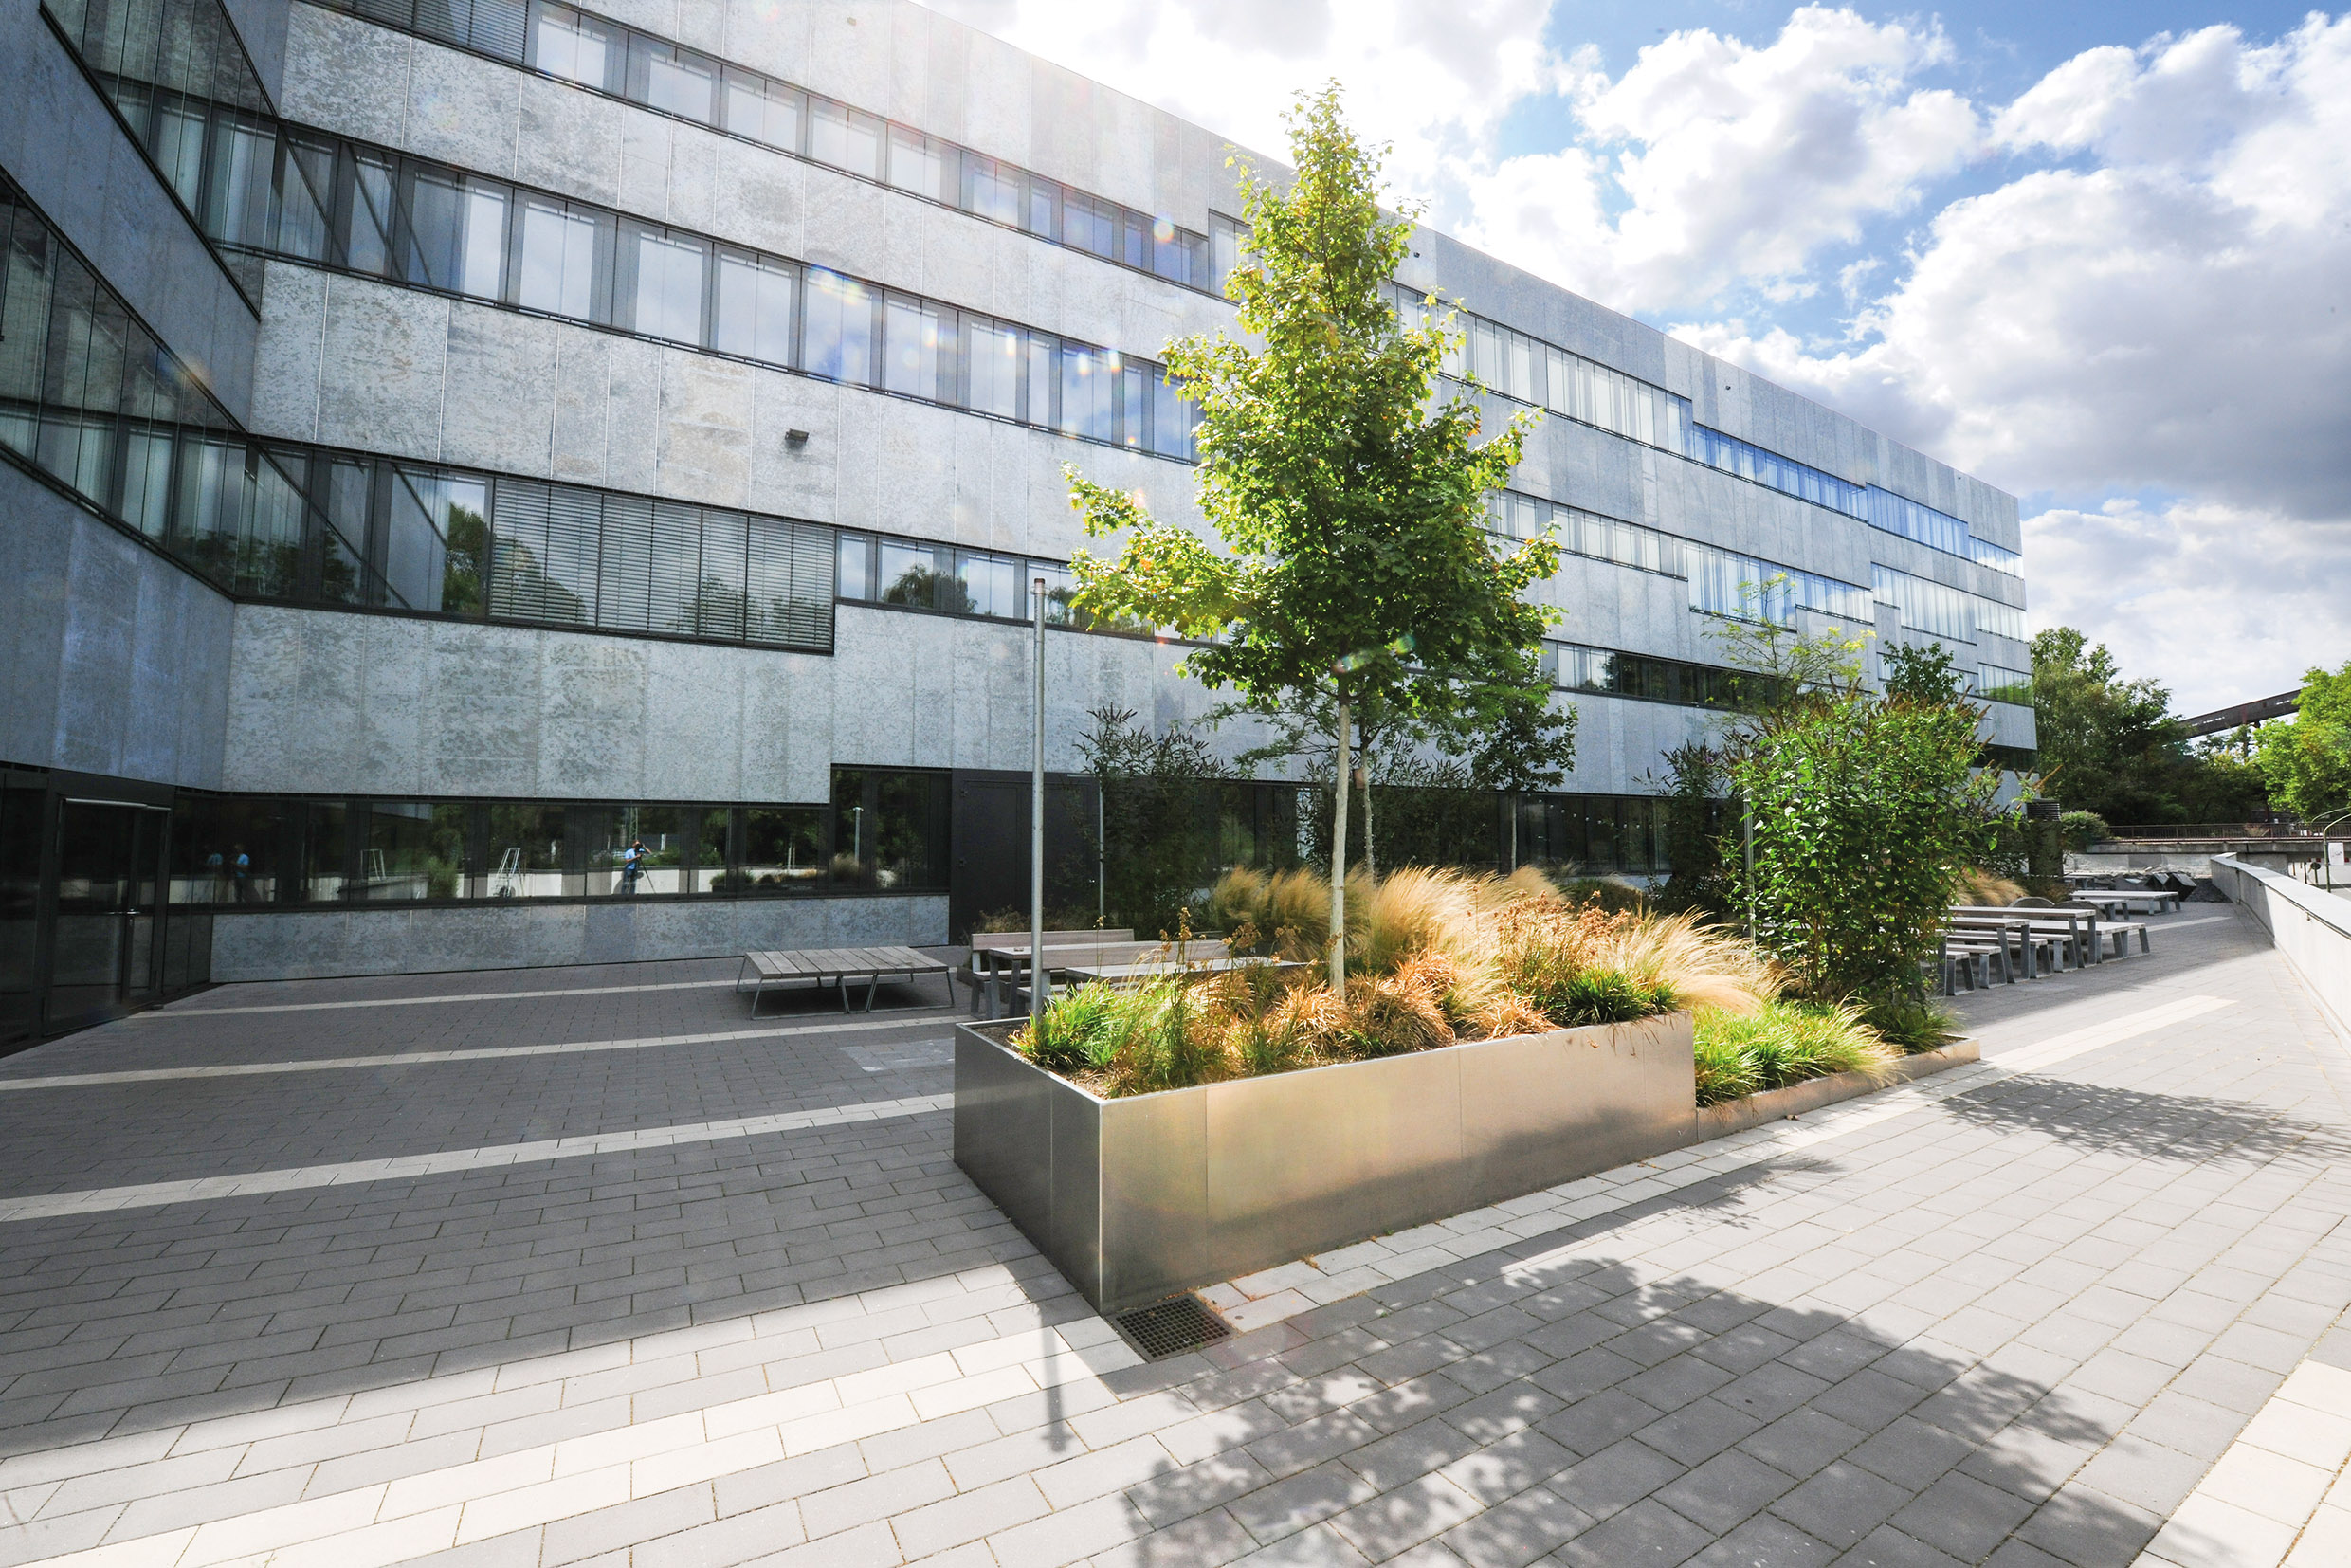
{"type": "Point", "coordinates": [1137, 1198]}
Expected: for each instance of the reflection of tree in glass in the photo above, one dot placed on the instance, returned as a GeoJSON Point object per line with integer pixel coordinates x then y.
{"type": "Point", "coordinates": [468, 536]}
{"type": "Point", "coordinates": [520, 586]}
{"type": "Point", "coordinates": [717, 608]}
{"type": "Point", "coordinates": [926, 588]}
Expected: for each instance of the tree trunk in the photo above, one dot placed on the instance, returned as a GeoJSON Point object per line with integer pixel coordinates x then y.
{"type": "Point", "coordinates": [1371, 849]}
{"type": "Point", "coordinates": [1338, 853]}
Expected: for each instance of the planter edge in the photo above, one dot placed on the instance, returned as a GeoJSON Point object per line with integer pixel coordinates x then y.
{"type": "Point", "coordinates": [1736, 1116]}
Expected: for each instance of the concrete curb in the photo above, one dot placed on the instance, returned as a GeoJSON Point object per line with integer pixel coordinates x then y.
{"type": "Point", "coordinates": [1737, 1115]}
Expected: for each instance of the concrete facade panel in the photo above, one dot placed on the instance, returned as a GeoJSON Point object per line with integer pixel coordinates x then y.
{"type": "Point", "coordinates": [118, 658]}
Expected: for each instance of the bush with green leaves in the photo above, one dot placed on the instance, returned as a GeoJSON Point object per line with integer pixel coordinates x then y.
{"type": "Point", "coordinates": [1779, 1044]}
{"type": "Point", "coordinates": [1866, 814]}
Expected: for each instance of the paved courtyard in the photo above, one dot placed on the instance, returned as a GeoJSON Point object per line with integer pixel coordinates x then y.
{"type": "Point", "coordinates": [568, 1265]}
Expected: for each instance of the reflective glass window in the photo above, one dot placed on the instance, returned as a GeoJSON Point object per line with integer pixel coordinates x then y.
{"type": "Point", "coordinates": [526, 853]}
{"type": "Point", "coordinates": [660, 279]}
{"type": "Point", "coordinates": [326, 850]}
{"type": "Point", "coordinates": [225, 851]}
{"type": "Point", "coordinates": [707, 832]}
{"type": "Point", "coordinates": [916, 164]}
{"type": "Point", "coordinates": [837, 341]}
{"type": "Point", "coordinates": [783, 848]}
{"type": "Point", "coordinates": [675, 81]}
{"type": "Point", "coordinates": [845, 137]}
{"type": "Point", "coordinates": [911, 347]}
{"type": "Point", "coordinates": [414, 849]}
{"type": "Point", "coordinates": [637, 852]}
{"type": "Point", "coordinates": [559, 263]}
{"type": "Point", "coordinates": [991, 358]}
{"type": "Point", "coordinates": [754, 316]}
{"type": "Point", "coordinates": [992, 190]}
{"type": "Point", "coordinates": [764, 110]}
{"type": "Point", "coordinates": [576, 48]}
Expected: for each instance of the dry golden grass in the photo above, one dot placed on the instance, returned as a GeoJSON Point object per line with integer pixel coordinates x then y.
{"type": "Point", "coordinates": [1702, 965]}
{"type": "Point", "coordinates": [1983, 888]}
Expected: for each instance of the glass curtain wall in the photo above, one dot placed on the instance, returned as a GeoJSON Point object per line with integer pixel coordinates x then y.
{"type": "Point", "coordinates": [886, 830]}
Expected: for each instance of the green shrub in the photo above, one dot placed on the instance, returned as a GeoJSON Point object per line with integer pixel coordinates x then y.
{"type": "Point", "coordinates": [1911, 1025]}
{"type": "Point", "coordinates": [1080, 1029]}
{"type": "Point", "coordinates": [2083, 829]}
{"type": "Point", "coordinates": [1606, 996]}
{"type": "Point", "coordinates": [1779, 1044]}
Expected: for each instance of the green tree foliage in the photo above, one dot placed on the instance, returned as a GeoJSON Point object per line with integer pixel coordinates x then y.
{"type": "Point", "coordinates": [1864, 814]}
{"type": "Point", "coordinates": [2107, 744]}
{"type": "Point", "coordinates": [1349, 504]}
{"type": "Point", "coordinates": [1923, 672]}
{"type": "Point", "coordinates": [1154, 848]}
{"type": "Point", "coordinates": [2307, 763]}
{"type": "Point", "coordinates": [1694, 787]}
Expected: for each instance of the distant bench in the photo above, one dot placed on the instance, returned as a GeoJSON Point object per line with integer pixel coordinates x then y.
{"type": "Point", "coordinates": [824, 966]}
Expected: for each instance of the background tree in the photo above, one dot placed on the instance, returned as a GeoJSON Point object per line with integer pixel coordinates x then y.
{"type": "Point", "coordinates": [2307, 763]}
{"type": "Point", "coordinates": [1350, 504]}
{"type": "Point", "coordinates": [2107, 744]}
{"type": "Point", "coordinates": [1923, 672]}
{"type": "Point", "coordinates": [1152, 841]}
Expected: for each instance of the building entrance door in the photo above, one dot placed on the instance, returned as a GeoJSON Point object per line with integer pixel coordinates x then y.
{"type": "Point", "coordinates": [109, 910]}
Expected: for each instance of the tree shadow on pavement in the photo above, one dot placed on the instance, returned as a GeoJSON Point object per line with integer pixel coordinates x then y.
{"type": "Point", "coordinates": [1589, 1407]}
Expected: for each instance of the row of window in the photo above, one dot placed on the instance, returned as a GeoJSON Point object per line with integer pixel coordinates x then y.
{"type": "Point", "coordinates": [1527, 369]}
{"type": "Point", "coordinates": [1944, 612]}
{"type": "Point", "coordinates": [640, 67]}
{"type": "Point", "coordinates": [884, 830]}
{"type": "Point", "coordinates": [1574, 668]}
{"type": "Point", "coordinates": [257, 185]}
{"type": "Point", "coordinates": [1994, 685]}
{"type": "Point", "coordinates": [1721, 582]}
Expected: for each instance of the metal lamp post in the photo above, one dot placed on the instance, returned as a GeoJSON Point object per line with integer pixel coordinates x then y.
{"type": "Point", "coordinates": [1037, 981]}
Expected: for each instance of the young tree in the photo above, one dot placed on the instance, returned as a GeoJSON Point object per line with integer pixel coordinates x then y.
{"type": "Point", "coordinates": [1923, 672]}
{"type": "Point", "coordinates": [1351, 507]}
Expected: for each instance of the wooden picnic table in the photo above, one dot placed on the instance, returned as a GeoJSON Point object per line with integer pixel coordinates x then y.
{"type": "Point", "coordinates": [2161, 899]}
{"type": "Point", "coordinates": [835, 966]}
{"type": "Point", "coordinates": [999, 969]}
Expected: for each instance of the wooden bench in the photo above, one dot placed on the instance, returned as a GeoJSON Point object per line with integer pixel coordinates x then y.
{"type": "Point", "coordinates": [2076, 928]}
{"type": "Point", "coordinates": [2129, 899]}
{"type": "Point", "coordinates": [1004, 969]}
{"type": "Point", "coordinates": [824, 966]}
{"type": "Point", "coordinates": [978, 967]}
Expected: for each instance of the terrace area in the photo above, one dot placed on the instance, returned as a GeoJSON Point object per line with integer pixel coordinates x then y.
{"type": "Point", "coordinates": [587, 1265]}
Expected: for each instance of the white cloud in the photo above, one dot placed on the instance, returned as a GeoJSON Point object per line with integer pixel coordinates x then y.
{"type": "Point", "coordinates": [1723, 162]}
{"type": "Point", "coordinates": [1435, 81]}
{"type": "Point", "coordinates": [2176, 317]}
{"type": "Point", "coordinates": [2221, 603]}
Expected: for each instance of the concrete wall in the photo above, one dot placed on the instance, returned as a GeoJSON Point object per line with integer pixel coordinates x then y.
{"type": "Point", "coordinates": [291, 946]}
{"type": "Point", "coordinates": [2310, 926]}
{"type": "Point", "coordinates": [117, 659]}
{"type": "Point", "coordinates": [61, 143]}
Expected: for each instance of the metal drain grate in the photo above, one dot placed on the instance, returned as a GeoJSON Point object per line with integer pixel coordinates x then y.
{"type": "Point", "coordinates": [1172, 1326]}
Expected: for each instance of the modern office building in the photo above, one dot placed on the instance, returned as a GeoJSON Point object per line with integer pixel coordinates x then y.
{"type": "Point", "coordinates": [448, 442]}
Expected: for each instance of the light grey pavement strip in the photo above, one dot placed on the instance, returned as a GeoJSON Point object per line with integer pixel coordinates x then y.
{"type": "Point", "coordinates": [405, 1167]}
{"type": "Point", "coordinates": [166, 1015]}
{"type": "Point", "coordinates": [419, 1058]}
{"type": "Point", "coordinates": [2279, 1495]}
{"type": "Point", "coordinates": [2013, 1326]}
{"type": "Point", "coordinates": [917, 1053]}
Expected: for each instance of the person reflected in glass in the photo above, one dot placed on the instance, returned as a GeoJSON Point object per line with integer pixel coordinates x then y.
{"type": "Point", "coordinates": [632, 865]}
{"type": "Point", "coordinates": [241, 872]}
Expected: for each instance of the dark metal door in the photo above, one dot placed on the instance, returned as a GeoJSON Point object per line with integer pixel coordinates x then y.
{"type": "Point", "coordinates": [107, 949]}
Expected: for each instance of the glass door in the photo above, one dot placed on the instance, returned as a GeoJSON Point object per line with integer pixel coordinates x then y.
{"type": "Point", "coordinates": [109, 910]}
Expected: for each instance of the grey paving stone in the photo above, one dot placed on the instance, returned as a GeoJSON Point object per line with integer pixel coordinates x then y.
{"type": "Point", "coordinates": [1646, 1534]}
{"type": "Point", "coordinates": [1840, 1502]}
{"type": "Point", "coordinates": [1725, 1491]}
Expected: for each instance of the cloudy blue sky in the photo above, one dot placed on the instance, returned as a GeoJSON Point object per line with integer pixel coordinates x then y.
{"type": "Point", "coordinates": [2099, 254]}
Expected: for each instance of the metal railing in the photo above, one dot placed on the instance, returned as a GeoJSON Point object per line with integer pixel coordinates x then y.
{"type": "Point", "coordinates": [2210, 830]}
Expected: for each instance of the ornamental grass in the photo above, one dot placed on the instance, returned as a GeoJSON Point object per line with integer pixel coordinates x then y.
{"type": "Point", "coordinates": [1436, 958]}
